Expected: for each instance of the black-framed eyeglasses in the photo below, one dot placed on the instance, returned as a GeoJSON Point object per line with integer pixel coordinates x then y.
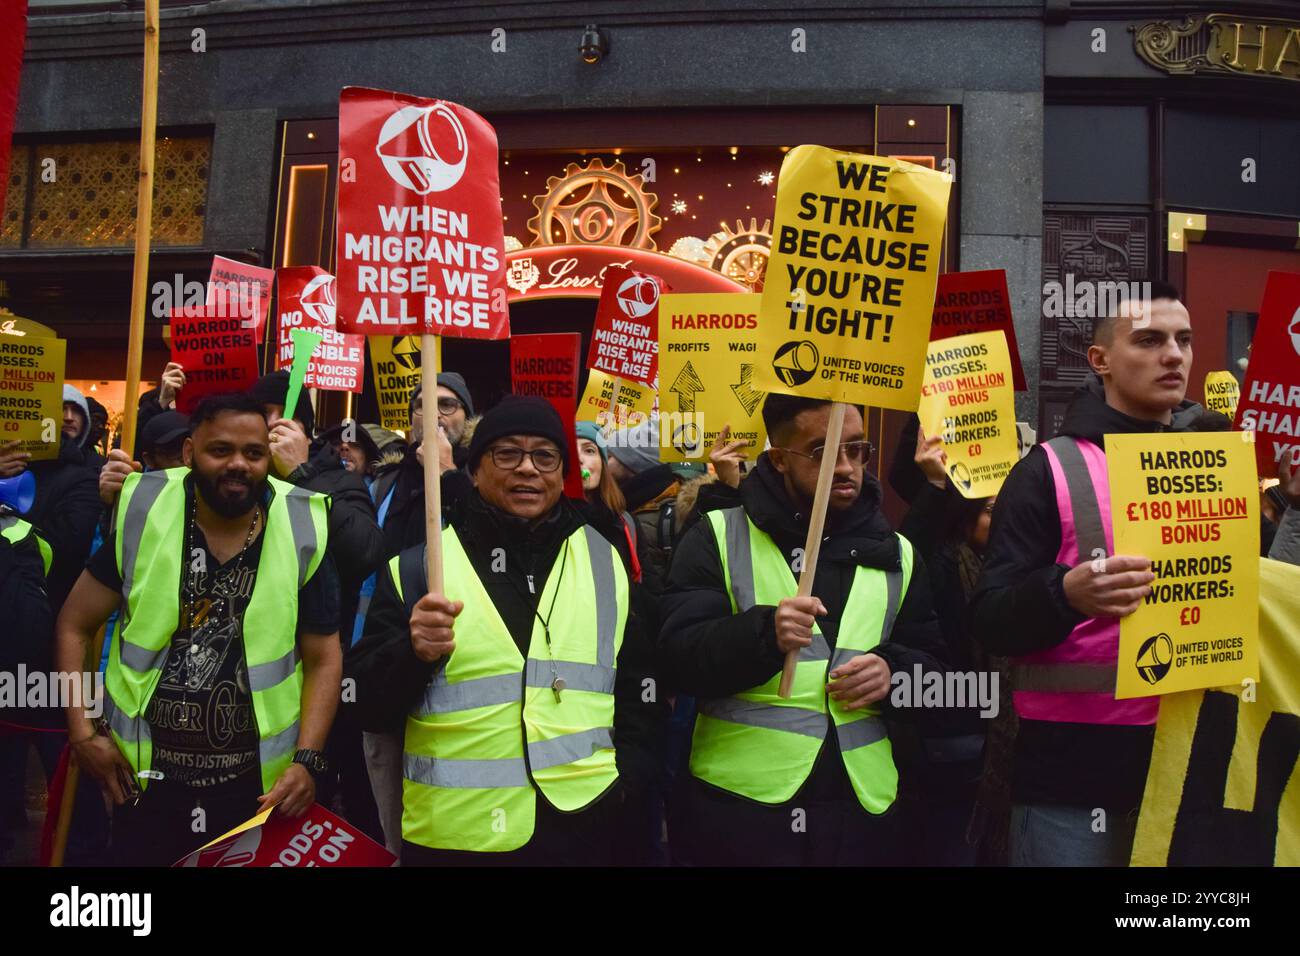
{"type": "Point", "coordinates": [855, 450]}
{"type": "Point", "coordinates": [510, 457]}
{"type": "Point", "coordinates": [450, 406]}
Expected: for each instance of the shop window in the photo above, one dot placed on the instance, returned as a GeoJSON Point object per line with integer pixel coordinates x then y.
{"type": "Point", "coordinates": [1096, 154]}
{"type": "Point", "coordinates": [83, 195]}
{"type": "Point", "coordinates": [710, 206]}
{"type": "Point", "coordinates": [1232, 163]}
{"type": "Point", "coordinates": [11, 226]}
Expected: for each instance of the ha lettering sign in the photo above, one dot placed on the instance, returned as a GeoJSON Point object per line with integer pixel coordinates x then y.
{"type": "Point", "coordinates": [420, 237]}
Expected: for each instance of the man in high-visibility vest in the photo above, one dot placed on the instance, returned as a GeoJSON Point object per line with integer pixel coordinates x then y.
{"type": "Point", "coordinates": [532, 719]}
{"type": "Point", "coordinates": [225, 675]}
{"type": "Point", "coordinates": [1051, 595]}
{"type": "Point", "coordinates": [808, 780]}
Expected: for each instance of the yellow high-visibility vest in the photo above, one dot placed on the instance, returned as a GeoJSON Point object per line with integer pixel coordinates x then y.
{"type": "Point", "coordinates": [759, 745]}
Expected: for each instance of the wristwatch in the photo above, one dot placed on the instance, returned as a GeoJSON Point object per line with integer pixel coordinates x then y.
{"type": "Point", "coordinates": [314, 761]}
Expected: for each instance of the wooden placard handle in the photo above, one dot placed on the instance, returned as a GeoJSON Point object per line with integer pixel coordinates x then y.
{"type": "Point", "coordinates": [432, 463]}
{"type": "Point", "coordinates": [816, 522]}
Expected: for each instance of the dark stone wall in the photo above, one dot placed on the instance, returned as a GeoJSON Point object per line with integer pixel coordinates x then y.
{"type": "Point", "coordinates": [267, 62]}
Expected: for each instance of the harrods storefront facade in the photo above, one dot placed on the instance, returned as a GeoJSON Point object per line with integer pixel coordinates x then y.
{"type": "Point", "coordinates": [1171, 137]}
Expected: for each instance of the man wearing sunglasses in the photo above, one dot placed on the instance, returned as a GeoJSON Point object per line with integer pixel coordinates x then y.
{"type": "Point", "coordinates": [809, 780]}
{"type": "Point", "coordinates": [530, 711]}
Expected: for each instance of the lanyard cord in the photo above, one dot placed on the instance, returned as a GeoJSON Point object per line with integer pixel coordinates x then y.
{"type": "Point", "coordinates": [557, 682]}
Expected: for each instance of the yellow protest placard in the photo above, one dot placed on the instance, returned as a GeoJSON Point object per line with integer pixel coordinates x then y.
{"type": "Point", "coordinates": [706, 373]}
{"type": "Point", "coordinates": [968, 397]}
{"type": "Point", "coordinates": [1221, 789]}
{"type": "Point", "coordinates": [612, 402]}
{"type": "Point", "coordinates": [1221, 393]}
{"type": "Point", "coordinates": [395, 362]}
{"type": "Point", "coordinates": [849, 290]}
{"type": "Point", "coordinates": [1190, 503]}
{"type": "Point", "coordinates": [31, 393]}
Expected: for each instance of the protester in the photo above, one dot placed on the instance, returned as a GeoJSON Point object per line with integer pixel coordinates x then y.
{"type": "Point", "coordinates": [1272, 508]}
{"type": "Point", "coordinates": [66, 506]}
{"type": "Point", "coordinates": [230, 709]}
{"type": "Point", "coordinates": [810, 780]}
{"type": "Point", "coordinates": [358, 455]}
{"type": "Point", "coordinates": [455, 412]}
{"type": "Point", "coordinates": [727, 458]}
{"type": "Point", "coordinates": [538, 637]}
{"type": "Point", "coordinates": [727, 461]}
{"type": "Point", "coordinates": [355, 539]}
{"type": "Point", "coordinates": [78, 428]}
{"type": "Point", "coordinates": [1051, 594]}
{"type": "Point", "coordinates": [1286, 543]}
{"type": "Point", "coordinates": [97, 432]}
{"type": "Point", "coordinates": [651, 490]}
{"type": "Point", "coordinates": [356, 546]}
{"type": "Point", "coordinates": [161, 398]}
{"type": "Point", "coordinates": [398, 495]}
{"type": "Point", "coordinates": [161, 445]}
{"type": "Point", "coordinates": [606, 508]}
{"type": "Point", "coordinates": [64, 515]}
{"type": "Point", "coordinates": [402, 485]}
{"type": "Point", "coordinates": [942, 774]}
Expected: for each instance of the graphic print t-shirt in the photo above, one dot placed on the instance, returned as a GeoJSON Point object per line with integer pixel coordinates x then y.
{"type": "Point", "coordinates": [201, 713]}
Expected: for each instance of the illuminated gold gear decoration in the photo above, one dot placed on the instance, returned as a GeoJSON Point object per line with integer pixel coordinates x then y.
{"type": "Point", "coordinates": [598, 205]}
{"type": "Point", "coordinates": [741, 255]}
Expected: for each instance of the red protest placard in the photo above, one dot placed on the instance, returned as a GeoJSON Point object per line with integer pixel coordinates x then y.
{"type": "Point", "coordinates": [306, 301]}
{"type": "Point", "coordinates": [1270, 397]}
{"type": "Point", "coordinates": [547, 366]}
{"type": "Point", "coordinates": [318, 838]}
{"type": "Point", "coordinates": [241, 290]}
{"type": "Point", "coordinates": [625, 336]}
{"type": "Point", "coordinates": [218, 353]}
{"type": "Point", "coordinates": [966, 302]}
{"type": "Point", "coordinates": [421, 244]}
{"type": "Point", "coordinates": [293, 313]}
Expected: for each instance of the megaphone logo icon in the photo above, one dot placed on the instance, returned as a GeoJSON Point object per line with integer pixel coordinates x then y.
{"type": "Point", "coordinates": [637, 296]}
{"type": "Point", "coordinates": [317, 300]}
{"type": "Point", "coordinates": [959, 473]}
{"type": "Point", "coordinates": [424, 148]}
{"type": "Point", "coordinates": [18, 493]}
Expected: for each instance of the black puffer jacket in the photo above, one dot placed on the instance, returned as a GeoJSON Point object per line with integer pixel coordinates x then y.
{"type": "Point", "coordinates": [1019, 607]}
{"type": "Point", "coordinates": [706, 651]}
{"type": "Point", "coordinates": [65, 512]}
{"type": "Point", "coordinates": [927, 527]}
{"type": "Point", "coordinates": [28, 637]}
{"type": "Point", "coordinates": [404, 522]}
{"type": "Point", "coordinates": [355, 542]}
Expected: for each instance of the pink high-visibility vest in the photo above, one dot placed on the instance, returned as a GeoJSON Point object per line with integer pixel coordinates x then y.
{"type": "Point", "coordinates": [1074, 682]}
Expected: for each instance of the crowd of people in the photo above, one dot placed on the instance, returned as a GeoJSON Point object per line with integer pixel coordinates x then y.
{"type": "Point", "coordinates": [596, 681]}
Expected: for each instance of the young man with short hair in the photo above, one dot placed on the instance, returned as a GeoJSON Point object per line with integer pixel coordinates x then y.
{"type": "Point", "coordinates": [1052, 593]}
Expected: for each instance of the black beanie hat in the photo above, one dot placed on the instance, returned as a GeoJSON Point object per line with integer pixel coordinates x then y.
{"type": "Point", "coordinates": [454, 381]}
{"type": "Point", "coordinates": [518, 415]}
{"type": "Point", "coordinates": [273, 389]}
